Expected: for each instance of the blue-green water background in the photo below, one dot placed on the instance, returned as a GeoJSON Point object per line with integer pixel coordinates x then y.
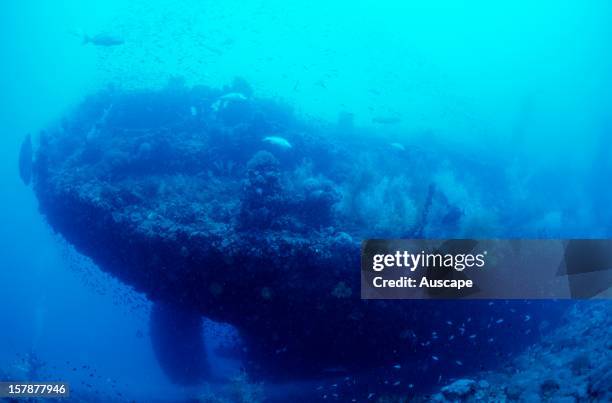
{"type": "Point", "coordinates": [520, 81]}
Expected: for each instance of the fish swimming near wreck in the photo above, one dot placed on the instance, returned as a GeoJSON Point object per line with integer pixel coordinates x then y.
{"type": "Point", "coordinates": [223, 101]}
{"type": "Point", "coordinates": [277, 141]}
{"type": "Point", "coordinates": [102, 39]}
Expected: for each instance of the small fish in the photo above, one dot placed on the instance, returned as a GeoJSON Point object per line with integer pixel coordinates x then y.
{"type": "Point", "coordinates": [398, 146]}
{"type": "Point", "coordinates": [396, 383]}
{"type": "Point", "coordinates": [193, 110]}
{"type": "Point", "coordinates": [278, 141]}
{"type": "Point", "coordinates": [411, 385]}
{"type": "Point", "coordinates": [397, 366]}
{"type": "Point", "coordinates": [233, 96]}
{"type": "Point", "coordinates": [527, 318]}
{"type": "Point", "coordinates": [458, 363]}
{"type": "Point", "coordinates": [105, 40]}
{"type": "Point", "coordinates": [371, 395]}
{"type": "Point", "coordinates": [498, 321]}
{"type": "Point", "coordinates": [226, 99]}
{"type": "Point", "coordinates": [473, 336]}
{"type": "Point", "coordinates": [435, 358]}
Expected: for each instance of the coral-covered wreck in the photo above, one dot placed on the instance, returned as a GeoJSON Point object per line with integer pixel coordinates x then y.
{"type": "Point", "coordinates": [216, 203]}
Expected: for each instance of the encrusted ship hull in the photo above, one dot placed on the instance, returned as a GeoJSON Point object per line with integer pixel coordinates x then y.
{"type": "Point", "coordinates": [229, 207]}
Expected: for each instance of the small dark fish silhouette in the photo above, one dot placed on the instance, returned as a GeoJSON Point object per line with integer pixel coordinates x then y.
{"type": "Point", "coordinates": [25, 160]}
{"type": "Point", "coordinates": [103, 40]}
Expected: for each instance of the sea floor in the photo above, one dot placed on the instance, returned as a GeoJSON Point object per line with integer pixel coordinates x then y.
{"type": "Point", "coordinates": [572, 363]}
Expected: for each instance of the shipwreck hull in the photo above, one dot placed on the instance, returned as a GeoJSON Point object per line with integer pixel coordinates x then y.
{"type": "Point", "coordinates": [177, 193]}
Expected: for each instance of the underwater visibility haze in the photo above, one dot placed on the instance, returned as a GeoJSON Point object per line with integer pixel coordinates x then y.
{"type": "Point", "coordinates": [187, 186]}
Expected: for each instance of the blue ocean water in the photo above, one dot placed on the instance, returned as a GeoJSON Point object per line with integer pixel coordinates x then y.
{"type": "Point", "coordinates": [514, 88]}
